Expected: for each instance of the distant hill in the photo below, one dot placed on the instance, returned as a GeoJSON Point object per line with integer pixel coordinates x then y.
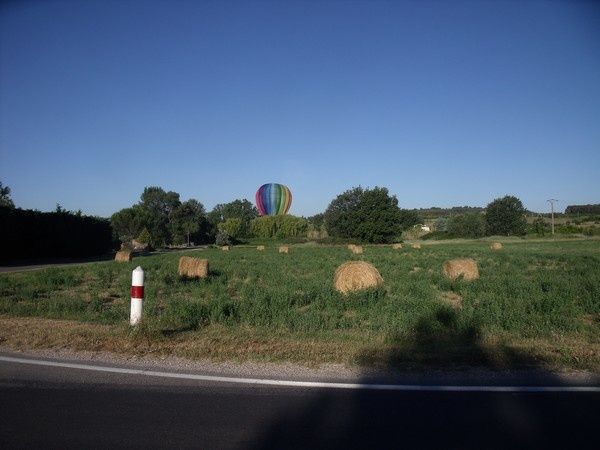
{"type": "Point", "coordinates": [435, 212]}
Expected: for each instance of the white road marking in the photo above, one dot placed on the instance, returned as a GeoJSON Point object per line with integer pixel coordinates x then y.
{"type": "Point", "coordinates": [300, 384]}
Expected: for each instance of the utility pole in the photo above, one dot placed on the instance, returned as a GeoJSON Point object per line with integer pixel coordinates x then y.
{"type": "Point", "coordinates": [551, 201]}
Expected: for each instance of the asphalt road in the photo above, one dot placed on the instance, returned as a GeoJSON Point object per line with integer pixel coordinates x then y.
{"type": "Point", "coordinates": [49, 407]}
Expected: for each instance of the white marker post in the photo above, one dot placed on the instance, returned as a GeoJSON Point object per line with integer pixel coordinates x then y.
{"type": "Point", "coordinates": [137, 295]}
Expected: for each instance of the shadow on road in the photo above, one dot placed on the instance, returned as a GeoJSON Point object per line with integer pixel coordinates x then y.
{"type": "Point", "coordinates": [339, 419]}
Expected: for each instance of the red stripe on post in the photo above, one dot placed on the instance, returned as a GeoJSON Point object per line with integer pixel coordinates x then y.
{"type": "Point", "coordinates": [137, 291]}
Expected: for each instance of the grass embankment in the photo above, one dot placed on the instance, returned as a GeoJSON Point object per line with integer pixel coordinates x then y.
{"type": "Point", "coordinates": [536, 304]}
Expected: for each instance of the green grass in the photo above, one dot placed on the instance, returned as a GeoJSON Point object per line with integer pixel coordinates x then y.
{"type": "Point", "coordinates": [548, 291]}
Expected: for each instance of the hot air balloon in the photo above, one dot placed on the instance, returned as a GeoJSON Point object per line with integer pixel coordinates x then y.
{"type": "Point", "coordinates": [273, 199]}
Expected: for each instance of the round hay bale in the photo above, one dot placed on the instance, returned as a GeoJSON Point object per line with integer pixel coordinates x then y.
{"type": "Point", "coordinates": [193, 267]}
{"type": "Point", "coordinates": [416, 246]}
{"type": "Point", "coordinates": [355, 276]}
{"type": "Point", "coordinates": [123, 256]}
{"type": "Point", "coordinates": [357, 250]}
{"type": "Point", "coordinates": [260, 248]}
{"type": "Point", "coordinates": [350, 246]}
{"type": "Point", "coordinates": [284, 249]}
{"type": "Point", "coordinates": [397, 246]}
{"type": "Point", "coordinates": [225, 248]}
{"type": "Point", "coordinates": [496, 246]}
{"type": "Point", "coordinates": [466, 267]}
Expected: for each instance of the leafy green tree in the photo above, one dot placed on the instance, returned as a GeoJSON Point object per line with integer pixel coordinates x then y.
{"type": "Point", "coordinates": [187, 219]}
{"type": "Point", "coordinates": [232, 227]}
{"type": "Point", "coordinates": [144, 237]}
{"type": "Point", "coordinates": [506, 216]}
{"type": "Point", "coordinates": [160, 205]}
{"type": "Point", "coordinates": [130, 222]}
{"type": "Point", "coordinates": [5, 199]}
{"type": "Point", "coordinates": [369, 215]}
{"type": "Point", "coordinates": [467, 225]}
{"type": "Point", "coordinates": [237, 209]}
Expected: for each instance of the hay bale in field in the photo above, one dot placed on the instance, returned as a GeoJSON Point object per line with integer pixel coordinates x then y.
{"type": "Point", "coordinates": [225, 248]}
{"type": "Point", "coordinates": [260, 248]}
{"type": "Point", "coordinates": [123, 256]}
{"type": "Point", "coordinates": [351, 246]}
{"type": "Point", "coordinates": [355, 276]}
{"type": "Point", "coordinates": [496, 246]}
{"type": "Point", "coordinates": [357, 250]}
{"type": "Point", "coordinates": [193, 267]}
{"type": "Point", "coordinates": [416, 246]}
{"type": "Point", "coordinates": [284, 249]}
{"type": "Point", "coordinates": [397, 246]}
{"type": "Point", "coordinates": [466, 267]}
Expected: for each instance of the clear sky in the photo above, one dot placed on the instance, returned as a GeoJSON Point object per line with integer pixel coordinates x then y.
{"type": "Point", "coordinates": [443, 102]}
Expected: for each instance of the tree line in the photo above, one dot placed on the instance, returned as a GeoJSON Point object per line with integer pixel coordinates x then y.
{"type": "Point", "coordinates": [161, 218]}
{"type": "Point", "coordinates": [583, 209]}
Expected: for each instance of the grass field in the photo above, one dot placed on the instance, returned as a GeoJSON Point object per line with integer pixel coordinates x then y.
{"type": "Point", "coordinates": [536, 304]}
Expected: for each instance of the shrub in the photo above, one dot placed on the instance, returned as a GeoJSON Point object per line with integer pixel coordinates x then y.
{"type": "Point", "coordinates": [280, 226]}
{"type": "Point", "coordinates": [222, 239]}
{"type": "Point", "coordinates": [467, 226]}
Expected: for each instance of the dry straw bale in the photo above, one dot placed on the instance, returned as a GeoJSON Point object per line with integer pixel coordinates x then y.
{"type": "Point", "coordinates": [225, 248]}
{"type": "Point", "coordinates": [496, 246]}
{"type": "Point", "coordinates": [357, 250]}
{"type": "Point", "coordinates": [123, 256]}
{"type": "Point", "coordinates": [355, 276]}
{"type": "Point", "coordinates": [466, 267]}
{"type": "Point", "coordinates": [193, 267]}
{"type": "Point", "coordinates": [260, 248]}
{"type": "Point", "coordinates": [416, 246]}
{"type": "Point", "coordinates": [284, 249]}
{"type": "Point", "coordinates": [397, 246]}
{"type": "Point", "coordinates": [351, 246]}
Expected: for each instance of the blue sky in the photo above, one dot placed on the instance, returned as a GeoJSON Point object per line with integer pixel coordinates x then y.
{"type": "Point", "coordinates": [444, 103]}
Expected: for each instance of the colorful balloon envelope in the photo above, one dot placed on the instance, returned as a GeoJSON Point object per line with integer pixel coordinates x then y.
{"type": "Point", "coordinates": [273, 199]}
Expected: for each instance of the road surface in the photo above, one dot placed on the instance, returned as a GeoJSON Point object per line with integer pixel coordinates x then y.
{"type": "Point", "coordinates": [69, 407]}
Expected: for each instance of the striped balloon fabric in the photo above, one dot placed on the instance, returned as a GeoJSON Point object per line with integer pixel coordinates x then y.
{"type": "Point", "coordinates": [273, 199]}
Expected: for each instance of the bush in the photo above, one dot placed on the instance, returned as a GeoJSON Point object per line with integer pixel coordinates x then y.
{"type": "Point", "coordinates": [467, 226]}
{"type": "Point", "coordinates": [539, 226]}
{"type": "Point", "coordinates": [280, 226]}
{"type": "Point", "coordinates": [223, 238]}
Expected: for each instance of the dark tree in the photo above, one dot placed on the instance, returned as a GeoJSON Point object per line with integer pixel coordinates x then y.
{"type": "Point", "coordinates": [5, 199]}
{"type": "Point", "coordinates": [506, 216]}
{"type": "Point", "coordinates": [160, 205]}
{"type": "Point", "coordinates": [129, 223]}
{"type": "Point", "coordinates": [369, 215]}
{"type": "Point", "coordinates": [188, 219]}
